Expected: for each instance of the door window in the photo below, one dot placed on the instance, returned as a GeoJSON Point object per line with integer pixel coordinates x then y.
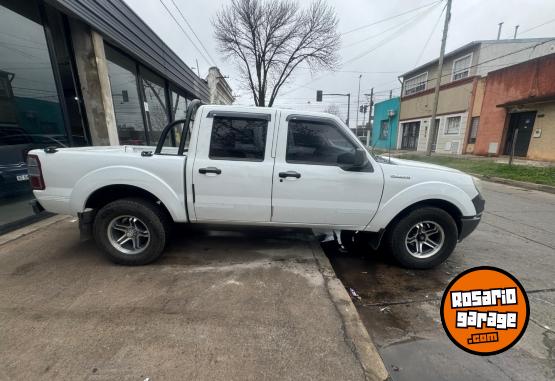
{"type": "Point", "coordinates": [316, 143]}
{"type": "Point", "coordinates": [238, 139]}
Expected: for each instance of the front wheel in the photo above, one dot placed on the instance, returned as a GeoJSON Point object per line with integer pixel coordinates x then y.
{"type": "Point", "coordinates": [424, 238]}
{"type": "Point", "coordinates": [131, 231]}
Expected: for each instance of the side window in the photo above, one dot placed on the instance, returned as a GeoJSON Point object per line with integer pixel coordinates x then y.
{"type": "Point", "coordinates": [238, 139]}
{"type": "Point", "coordinates": [316, 143]}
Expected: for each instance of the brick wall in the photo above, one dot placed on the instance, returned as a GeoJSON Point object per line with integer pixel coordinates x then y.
{"type": "Point", "coordinates": [528, 80]}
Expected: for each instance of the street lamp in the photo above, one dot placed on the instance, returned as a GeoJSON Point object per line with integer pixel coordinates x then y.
{"type": "Point", "coordinates": [320, 95]}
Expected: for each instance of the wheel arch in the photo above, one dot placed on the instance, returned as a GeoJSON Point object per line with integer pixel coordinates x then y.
{"type": "Point", "coordinates": [106, 194]}
{"type": "Point", "coordinates": [445, 205]}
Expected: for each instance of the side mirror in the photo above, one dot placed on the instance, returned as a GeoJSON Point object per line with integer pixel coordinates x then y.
{"type": "Point", "coordinates": [352, 161]}
{"type": "Point", "coordinates": [360, 158]}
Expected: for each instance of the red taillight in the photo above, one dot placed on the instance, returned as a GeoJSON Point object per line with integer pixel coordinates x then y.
{"type": "Point", "coordinates": [35, 172]}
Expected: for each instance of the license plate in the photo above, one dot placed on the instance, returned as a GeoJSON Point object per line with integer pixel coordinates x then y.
{"type": "Point", "coordinates": [22, 178]}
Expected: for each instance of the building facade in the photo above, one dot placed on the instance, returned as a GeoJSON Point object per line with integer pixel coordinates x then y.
{"type": "Point", "coordinates": [77, 73]}
{"type": "Point", "coordinates": [384, 126]}
{"type": "Point", "coordinates": [460, 86]}
{"type": "Point", "coordinates": [519, 107]}
{"type": "Point", "coordinates": [220, 91]}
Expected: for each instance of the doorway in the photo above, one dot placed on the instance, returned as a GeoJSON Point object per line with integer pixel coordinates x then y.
{"type": "Point", "coordinates": [409, 140]}
{"type": "Point", "coordinates": [523, 122]}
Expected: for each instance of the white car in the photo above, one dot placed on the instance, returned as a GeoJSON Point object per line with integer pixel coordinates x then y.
{"type": "Point", "coordinates": [256, 166]}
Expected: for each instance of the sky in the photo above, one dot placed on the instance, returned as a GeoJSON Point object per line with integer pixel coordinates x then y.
{"type": "Point", "coordinates": [380, 52]}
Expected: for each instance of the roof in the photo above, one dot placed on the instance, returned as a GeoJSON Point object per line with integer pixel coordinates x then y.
{"type": "Point", "coordinates": [472, 45]}
{"type": "Point", "coordinates": [122, 27]}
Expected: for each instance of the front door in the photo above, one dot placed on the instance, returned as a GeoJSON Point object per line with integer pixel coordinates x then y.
{"type": "Point", "coordinates": [409, 140]}
{"type": "Point", "coordinates": [310, 187]}
{"type": "Point", "coordinates": [232, 172]}
{"type": "Point", "coordinates": [523, 122]}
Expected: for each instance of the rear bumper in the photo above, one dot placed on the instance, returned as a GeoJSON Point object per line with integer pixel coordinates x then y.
{"type": "Point", "coordinates": [37, 207]}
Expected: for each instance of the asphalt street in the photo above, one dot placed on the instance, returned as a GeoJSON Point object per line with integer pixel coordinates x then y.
{"type": "Point", "coordinates": [400, 307]}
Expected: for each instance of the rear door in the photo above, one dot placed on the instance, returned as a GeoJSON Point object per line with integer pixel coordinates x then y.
{"type": "Point", "coordinates": [311, 188]}
{"type": "Point", "coordinates": [232, 171]}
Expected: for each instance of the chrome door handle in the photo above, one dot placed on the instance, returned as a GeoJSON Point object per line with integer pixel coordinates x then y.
{"type": "Point", "coordinates": [214, 170]}
{"type": "Point", "coordinates": [294, 174]}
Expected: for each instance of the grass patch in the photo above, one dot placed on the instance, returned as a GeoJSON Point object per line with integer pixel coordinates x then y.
{"type": "Point", "coordinates": [538, 175]}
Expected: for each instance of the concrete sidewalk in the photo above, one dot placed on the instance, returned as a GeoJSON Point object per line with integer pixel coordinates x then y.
{"type": "Point", "coordinates": [233, 305]}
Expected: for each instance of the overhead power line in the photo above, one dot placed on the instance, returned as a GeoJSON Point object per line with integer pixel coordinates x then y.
{"type": "Point", "coordinates": [537, 26]}
{"type": "Point", "coordinates": [396, 33]}
{"type": "Point", "coordinates": [470, 67]}
{"type": "Point", "coordinates": [185, 33]}
{"type": "Point", "coordinates": [194, 33]}
{"type": "Point", "coordinates": [430, 36]}
{"type": "Point", "coordinates": [396, 26]}
{"type": "Point", "coordinates": [390, 18]}
{"type": "Point", "coordinates": [488, 61]}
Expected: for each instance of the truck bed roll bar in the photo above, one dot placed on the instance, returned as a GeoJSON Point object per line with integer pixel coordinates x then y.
{"type": "Point", "coordinates": [189, 117]}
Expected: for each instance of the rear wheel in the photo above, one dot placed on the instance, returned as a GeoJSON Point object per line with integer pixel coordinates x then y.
{"type": "Point", "coordinates": [423, 239]}
{"type": "Point", "coordinates": [131, 231]}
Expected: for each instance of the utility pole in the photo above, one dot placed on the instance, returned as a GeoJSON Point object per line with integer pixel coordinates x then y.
{"type": "Point", "coordinates": [370, 102]}
{"type": "Point", "coordinates": [499, 30]}
{"type": "Point", "coordinates": [433, 129]}
{"type": "Point", "coordinates": [358, 104]}
{"type": "Point", "coordinates": [516, 31]}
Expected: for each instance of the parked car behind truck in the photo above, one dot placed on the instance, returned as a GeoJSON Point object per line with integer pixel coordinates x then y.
{"type": "Point", "coordinates": [257, 166]}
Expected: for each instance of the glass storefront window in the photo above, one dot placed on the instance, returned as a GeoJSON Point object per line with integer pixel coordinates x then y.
{"type": "Point", "coordinates": [71, 96]}
{"type": "Point", "coordinates": [127, 106]}
{"type": "Point", "coordinates": [30, 112]}
{"type": "Point", "coordinates": [178, 111]}
{"type": "Point", "coordinates": [155, 106]}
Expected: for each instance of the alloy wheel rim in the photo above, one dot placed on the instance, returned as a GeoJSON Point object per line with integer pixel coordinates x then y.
{"type": "Point", "coordinates": [424, 239]}
{"type": "Point", "coordinates": [128, 234]}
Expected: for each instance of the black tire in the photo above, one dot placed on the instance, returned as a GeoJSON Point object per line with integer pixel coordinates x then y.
{"type": "Point", "coordinates": [151, 216]}
{"type": "Point", "coordinates": [395, 237]}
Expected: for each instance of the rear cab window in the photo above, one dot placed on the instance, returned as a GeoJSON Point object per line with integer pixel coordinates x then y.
{"type": "Point", "coordinates": [238, 138]}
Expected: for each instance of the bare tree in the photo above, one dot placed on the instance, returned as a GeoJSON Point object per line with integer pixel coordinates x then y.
{"type": "Point", "coordinates": [269, 39]}
{"type": "Point", "coordinates": [334, 110]}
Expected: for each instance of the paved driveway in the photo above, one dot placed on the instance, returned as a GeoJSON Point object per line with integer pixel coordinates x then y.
{"type": "Point", "coordinates": [401, 307]}
{"type": "Point", "coordinates": [224, 305]}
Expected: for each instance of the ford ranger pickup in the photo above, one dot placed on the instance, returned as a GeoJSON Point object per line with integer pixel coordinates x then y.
{"type": "Point", "coordinates": [257, 166]}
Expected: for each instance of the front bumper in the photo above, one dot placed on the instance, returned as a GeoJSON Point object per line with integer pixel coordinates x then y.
{"type": "Point", "coordinates": [469, 224]}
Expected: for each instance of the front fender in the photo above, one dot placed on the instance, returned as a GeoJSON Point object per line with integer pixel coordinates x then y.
{"type": "Point", "coordinates": [126, 175]}
{"type": "Point", "coordinates": [432, 190]}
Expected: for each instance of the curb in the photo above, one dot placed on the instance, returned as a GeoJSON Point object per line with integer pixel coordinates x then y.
{"type": "Point", "coordinates": [26, 230]}
{"type": "Point", "coordinates": [516, 183]}
{"type": "Point", "coordinates": [356, 335]}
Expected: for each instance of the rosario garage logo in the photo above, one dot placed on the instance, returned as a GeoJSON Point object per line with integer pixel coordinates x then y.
{"type": "Point", "coordinates": [485, 310]}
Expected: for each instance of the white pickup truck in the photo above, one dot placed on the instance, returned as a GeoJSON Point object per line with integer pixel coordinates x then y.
{"type": "Point", "coordinates": [257, 166]}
